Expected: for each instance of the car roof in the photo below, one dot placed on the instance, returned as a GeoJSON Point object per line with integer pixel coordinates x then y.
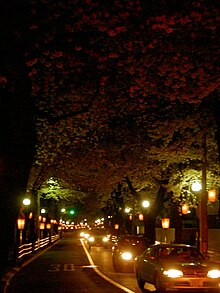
{"type": "Point", "coordinates": [99, 230]}
{"type": "Point", "coordinates": [172, 245]}
{"type": "Point", "coordinates": [132, 236]}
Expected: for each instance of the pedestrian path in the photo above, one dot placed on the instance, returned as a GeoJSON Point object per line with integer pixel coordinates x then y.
{"type": "Point", "coordinates": [214, 255]}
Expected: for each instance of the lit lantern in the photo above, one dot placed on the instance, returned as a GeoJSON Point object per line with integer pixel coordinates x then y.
{"type": "Point", "coordinates": [130, 217]}
{"type": "Point", "coordinates": [212, 195]}
{"type": "Point", "coordinates": [165, 223]}
{"type": "Point", "coordinates": [44, 219]}
{"type": "Point", "coordinates": [185, 208]}
{"type": "Point", "coordinates": [116, 226]}
{"type": "Point", "coordinates": [21, 223]}
{"type": "Point", "coordinates": [48, 226]}
{"type": "Point", "coordinates": [141, 217]}
{"type": "Point", "coordinates": [42, 226]}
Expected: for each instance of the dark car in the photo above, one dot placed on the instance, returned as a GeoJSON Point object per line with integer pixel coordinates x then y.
{"type": "Point", "coordinates": [99, 237]}
{"type": "Point", "coordinates": [177, 267]}
{"type": "Point", "coordinates": [125, 249]}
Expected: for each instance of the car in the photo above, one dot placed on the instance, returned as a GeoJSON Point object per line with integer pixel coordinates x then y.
{"type": "Point", "coordinates": [84, 233]}
{"type": "Point", "coordinates": [176, 267]}
{"type": "Point", "coordinates": [125, 249]}
{"type": "Point", "coordinates": [98, 237]}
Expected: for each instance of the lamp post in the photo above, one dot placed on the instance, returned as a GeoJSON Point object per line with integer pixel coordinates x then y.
{"type": "Point", "coordinates": [165, 225]}
{"type": "Point", "coordinates": [28, 219]}
{"type": "Point", "coordinates": [21, 223]}
{"type": "Point", "coordinates": [203, 225]}
{"type": "Point", "coordinates": [145, 205]}
{"type": "Point", "coordinates": [38, 219]}
{"type": "Point", "coordinates": [203, 203]}
{"type": "Point", "coordinates": [197, 187]}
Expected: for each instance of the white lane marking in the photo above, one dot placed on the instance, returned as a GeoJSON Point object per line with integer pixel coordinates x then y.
{"type": "Point", "coordinates": [69, 267]}
{"type": "Point", "coordinates": [101, 274]}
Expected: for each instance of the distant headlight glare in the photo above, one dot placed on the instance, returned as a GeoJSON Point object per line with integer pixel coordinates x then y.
{"type": "Point", "coordinates": [91, 239]}
{"type": "Point", "coordinates": [214, 274]}
{"type": "Point", "coordinates": [173, 273]}
{"type": "Point", "coordinates": [126, 256]}
{"type": "Point", "coordinates": [105, 239]}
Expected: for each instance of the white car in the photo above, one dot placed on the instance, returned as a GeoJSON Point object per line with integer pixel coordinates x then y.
{"type": "Point", "coordinates": [177, 267]}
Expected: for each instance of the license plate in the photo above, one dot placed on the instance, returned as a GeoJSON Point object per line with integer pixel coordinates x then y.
{"type": "Point", "coordinates": [194, 283]}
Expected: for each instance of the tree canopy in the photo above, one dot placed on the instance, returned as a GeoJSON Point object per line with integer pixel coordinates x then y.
{"type": "Point", "coordinates": [122, 88]}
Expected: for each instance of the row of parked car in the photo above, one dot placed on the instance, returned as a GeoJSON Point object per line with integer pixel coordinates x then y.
{"type": "Point", "coordinates": [167, 266]}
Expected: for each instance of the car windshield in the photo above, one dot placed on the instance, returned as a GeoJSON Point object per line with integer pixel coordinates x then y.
{"type": "Point", "coordinates": [179, 252]}
{"type": "Point", "coordinates": [133, 242]}
{"type": "Point", "coordinates": [98, 232]}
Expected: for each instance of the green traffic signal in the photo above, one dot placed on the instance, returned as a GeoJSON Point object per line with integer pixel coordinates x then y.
{"type": "Point", "coordinates": [72, 212]}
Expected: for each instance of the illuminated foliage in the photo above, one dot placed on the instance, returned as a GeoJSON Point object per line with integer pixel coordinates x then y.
{"type": "Point", "coordinates": [122, 89]}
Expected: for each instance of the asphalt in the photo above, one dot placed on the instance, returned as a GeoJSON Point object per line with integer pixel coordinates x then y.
{"type": "Point", "coordinates": [13, 268]}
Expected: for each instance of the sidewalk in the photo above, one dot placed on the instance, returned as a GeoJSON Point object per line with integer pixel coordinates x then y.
{"type": "Point", "coordinates": [214, 255]}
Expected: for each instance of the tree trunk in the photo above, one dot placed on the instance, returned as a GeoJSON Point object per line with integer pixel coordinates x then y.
{"type": "Point", "coordinates": [16, 148]}
{"type": "Point", "coordinates": [217, 119]}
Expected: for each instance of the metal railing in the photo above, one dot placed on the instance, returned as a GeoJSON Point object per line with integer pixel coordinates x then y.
{"type": "Point", "coordinates": [29, 248]}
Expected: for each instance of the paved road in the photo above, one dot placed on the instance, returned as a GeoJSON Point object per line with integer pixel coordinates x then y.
{"type": "Point", "coordinates": [68, 267]}
{"type": "Point", "coordinates": [62, 268]}
{"type": "Point", "coordinates": [103, 260]}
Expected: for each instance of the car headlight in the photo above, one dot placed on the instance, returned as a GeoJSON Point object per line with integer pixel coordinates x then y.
{"type": "Point", "coordinates": [126, 256]}
{"type": "Point", "coordinates": [173, 273]}
{"type": "Point", "coordinates": [91, 239]}
{"type": "Point", "coordinates": [86, 235]}
{"type": "Point", "coordinates": [213, 274]}
{"type": "Point", "coordinates": [105, 239]}
{"type": "Point", "coordinates": [82, 234]}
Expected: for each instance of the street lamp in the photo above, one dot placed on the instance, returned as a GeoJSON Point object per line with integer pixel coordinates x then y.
{"type": "Point", "coordinates": [212, 195]}
{"type": "Point", "coordinates": [127, 210]}
{"type": "Point", "coordinates": [26, 202]}
{"type": "Point", "coordinates": [165, 225]}
{"type": "Point", "coordinates": [145, 205]}
{"type": "Point", "coordinates": [196, 186]}
{"type": "Point", "coordinates": [21, 223]}
{"type": "Point", "coordinates": [185, 208]}
{"type": "Point", "coordinates": [43, 211]}
{"type": "Point", "coordinates": [203, 225]}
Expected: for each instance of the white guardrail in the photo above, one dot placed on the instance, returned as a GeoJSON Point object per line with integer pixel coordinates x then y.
{"type": "Point", "coordinates": [28, 248]}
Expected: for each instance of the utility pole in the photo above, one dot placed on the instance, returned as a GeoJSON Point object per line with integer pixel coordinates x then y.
{"type": "Point", "coordinates": [203, 202]}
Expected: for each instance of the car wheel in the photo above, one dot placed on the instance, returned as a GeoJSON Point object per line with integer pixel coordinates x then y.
{"type": "Point", "coordinates": [140, 281]}
{"type": "Point", "coordinates": [157, 284]}
{"type": "Point", "coordinates": [118, 267]}
{"type": "Point", "coordinates": [114, 262]}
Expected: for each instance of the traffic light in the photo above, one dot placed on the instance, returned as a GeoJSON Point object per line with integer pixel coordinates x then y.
{"type": "Point", "coordinates": [72, 212]}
